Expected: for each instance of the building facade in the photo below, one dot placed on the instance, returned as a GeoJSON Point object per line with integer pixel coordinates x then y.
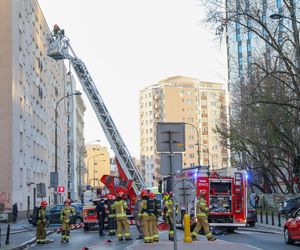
{"type": "Point", "coordinates": [200, 105]}
{"type": "Point", "coordinates": [75, 135]}
{"type": "Point", "coordinates": [97, 164]}
{"type": "Point", "coordinates": [30, 85]}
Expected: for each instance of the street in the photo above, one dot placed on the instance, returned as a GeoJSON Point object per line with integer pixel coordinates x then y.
{"type": "Point", "coordinates": [80, 239]}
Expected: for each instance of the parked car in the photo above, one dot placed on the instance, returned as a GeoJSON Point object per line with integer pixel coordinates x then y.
{"type": "Point", "coordinates": [251, 215]}
{"type": "Point", "coordinates": [290, 206]}
{"type": "Point", "coordinates": [53, 214]}
{"type": "Point", "coordinates": [292, 228]}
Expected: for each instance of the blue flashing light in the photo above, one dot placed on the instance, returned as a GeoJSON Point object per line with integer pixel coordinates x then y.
{"type": "Point", "coordinates": [247, 176]}
{"type": "Point", "coordinates": [195, 174]}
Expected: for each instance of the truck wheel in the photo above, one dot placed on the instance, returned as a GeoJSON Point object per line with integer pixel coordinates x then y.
{"type": "Point", "coordinates": [86, 227]}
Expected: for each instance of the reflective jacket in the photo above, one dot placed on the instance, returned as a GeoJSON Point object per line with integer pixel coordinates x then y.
{"type": "Point", "coordinates": [143, 209]}
{"type": "Point", "coordinates": [120, 207]}
{"type": "Point", "coordinates": [158, 210]}
{"type": "Point", "coordinates": [202, 208]}
{"type": "Point", "coordinates": [169, 206]}
{"type": "Point", "coordinates": [111, 209]}
{"type": "Point", "coordinates": [151, 206]}
{"type": "Point", "coordinates": [41, 216]}
{"type": "Point", "coordinates": [66, 214]}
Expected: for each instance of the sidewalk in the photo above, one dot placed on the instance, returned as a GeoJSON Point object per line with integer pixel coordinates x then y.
{"type": "Point", "coordinates": [165, 244]}
{"type": "Point", "coordinates": [22, 234]}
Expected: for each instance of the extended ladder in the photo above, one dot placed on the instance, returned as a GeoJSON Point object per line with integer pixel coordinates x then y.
{"type": "Point", "coordinates": [59, 49]}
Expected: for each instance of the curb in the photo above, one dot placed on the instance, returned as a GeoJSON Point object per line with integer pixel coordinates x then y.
{"type": "Point", "coordinates": [30, 242]}
{"type": "Point", "coordinates": [266, 230]}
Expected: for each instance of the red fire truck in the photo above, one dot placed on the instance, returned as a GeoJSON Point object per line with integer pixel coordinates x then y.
{"type": "Point", "coordinates": [226, 197]}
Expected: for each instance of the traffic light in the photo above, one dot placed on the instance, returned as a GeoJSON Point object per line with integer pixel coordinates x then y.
{"type": "Point", "coordinates": [296, 165]}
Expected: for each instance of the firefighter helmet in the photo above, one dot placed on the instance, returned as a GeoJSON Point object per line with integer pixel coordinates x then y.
{"type": "Point", "coordinates": [144, 193]}
{"type": "Point", "coordinates": [44, 203]}
{"type": "Point", "coordinates": [151, 195]}
{"type": "Point", "coordinates": [202, 193]}
{"type": "Point", "coordinates": [171, 194]}
{"type": "Point", "coordinates": [120, 194]}
{"type": "Point", "coordinates": [110, 197]}
{"type": "Point", "coordinates": [67, 201]}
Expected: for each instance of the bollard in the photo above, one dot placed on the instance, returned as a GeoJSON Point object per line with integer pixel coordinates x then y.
{"type": "Point", "coordinates": [7, 235]}
{"type": "Point", "coordinates": [279, 220]}
{"type": "Point", "coordinates": [272, 217]}
{"type": "Point", "coordinates": [261, 216]}
{"type": "Point", "coordinates": [267, 218]}
{"type": "Point", "coordinates": [187, 228]}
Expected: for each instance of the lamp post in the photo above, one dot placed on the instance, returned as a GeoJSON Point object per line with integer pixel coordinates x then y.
{"type": "Point", "coordinates": [198, 144]}
{"type": "Point", "coordinates": [293, 18]}
{"type": "Point", "coordinates": [55, 143]}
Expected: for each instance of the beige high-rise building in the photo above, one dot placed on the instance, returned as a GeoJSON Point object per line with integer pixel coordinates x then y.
{"type": "Point", "coordinates": [97, 164]}
{"type": "Point", "coordinates": [182, 99]}
{"type": "Point", "coordinates": [31, 83]}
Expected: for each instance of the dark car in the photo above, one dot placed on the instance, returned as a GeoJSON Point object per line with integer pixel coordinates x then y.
{"type": "Point", "coordinates": [251, 216]}
{"type": "Point", "coordinates": [290, 206]}
{"type": "Point", "coordinates": [53, 214]}
{"type": "Point", "coordinates": [292, 228]}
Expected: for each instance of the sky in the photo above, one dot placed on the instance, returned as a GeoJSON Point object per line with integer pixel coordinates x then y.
{"type": "Point", "coordinates": [128, 45]}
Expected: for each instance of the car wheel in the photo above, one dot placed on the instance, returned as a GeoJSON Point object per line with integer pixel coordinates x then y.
{"type": "Point", "coordinates": [252, 224]}
{"type": "Point", "coordinates": [78, 220]}
{"type": "Point", "coordinates": [287, 238]}
{"type": "Point", "coordinates": [86, 227]}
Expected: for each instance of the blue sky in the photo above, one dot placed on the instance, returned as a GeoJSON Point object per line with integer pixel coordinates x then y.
{"type": "Point", "coordinates": [130, 44]}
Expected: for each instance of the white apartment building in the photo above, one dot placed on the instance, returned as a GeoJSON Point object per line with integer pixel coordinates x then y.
{"type": "Point", "coordinates": [30, 86]}
{"type": "Point", "coordinates": [75, 134]}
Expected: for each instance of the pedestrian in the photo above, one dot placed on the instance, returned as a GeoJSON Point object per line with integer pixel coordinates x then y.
{"type": "Point", "coordinates": [136, 217]}
{"type": "Point", "coordinates": [65, 215]}
{"type": "Point", "coordinates": [144, 216]}
{"type": "Point", "coordinates": [252, 199]}
{"type": "Point", "coordinates": [169, 213]}
{"type": "Point", "coordinates": [100, 211]}
{"type": "Point", "coordinates": [202, 215]}
{"type": "Point", "coordinates": [41, 224]}
{"type": "Point", "coordinates": [15, 212]}
{"type": "Point", "coordinates": [120, 206]}
{"type": "Point", "coordinates": [154, 211]}
{"type": "Point", "coordinates": [256, 200]}
{"type": "Point", "coordinates": [111, 212]}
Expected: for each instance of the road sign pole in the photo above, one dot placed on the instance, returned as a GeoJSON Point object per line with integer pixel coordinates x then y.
{"type": "Point", "coordinates": [173, 188]}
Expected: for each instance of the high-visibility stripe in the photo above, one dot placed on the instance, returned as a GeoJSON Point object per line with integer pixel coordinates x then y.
{"type": "Point", "coordinates": [127, 234]}
{"type": "Point", "coordinates": [201, 215]}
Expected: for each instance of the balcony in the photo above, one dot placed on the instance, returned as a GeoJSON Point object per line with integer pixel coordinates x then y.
{"type": "Point", "coordinates": [157, 115]}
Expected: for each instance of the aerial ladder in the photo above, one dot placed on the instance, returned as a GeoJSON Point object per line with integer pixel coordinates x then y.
{"type": "Point", "coordinates": [59, 48]}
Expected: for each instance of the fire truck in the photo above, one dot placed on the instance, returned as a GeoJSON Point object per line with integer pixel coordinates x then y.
{"type": "Point", "coordinates": [130, 180]}
{"type": "Point", "coordinates": [226, 196]}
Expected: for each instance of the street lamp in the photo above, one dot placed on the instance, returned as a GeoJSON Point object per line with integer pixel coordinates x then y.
{"type": "Point", "coordinates": [198, 144]}
{"type": "Point", "coordinates": [55, 154]}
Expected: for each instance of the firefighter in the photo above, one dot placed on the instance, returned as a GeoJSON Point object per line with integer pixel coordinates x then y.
{"type": "Point", "coordinates": [144, 216]}
{"type": "Point", "coordinates": [111, 215]}
{"type": "Point", "coordinates": [100, 211]}
{"type": "Point", "coordinates": [169, 213]}
{"type": "Point", "coordinates": [41, 224]}
{"type": "Point", "coordinates": [57, 31]}
{"type": "Point", "coordinates": [202, 212]}
{"type": "Point", "coordinates": [153, 208]}
{"type": "Point", "coordinates": [65, 215]}
{"type": "Point", "coordinates": [137, 219]}
{"type": "Point", "coordinates": [120, 206]}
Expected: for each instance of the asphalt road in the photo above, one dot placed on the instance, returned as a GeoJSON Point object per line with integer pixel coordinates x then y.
{"type": "Point", "coordinates": [91, 239]}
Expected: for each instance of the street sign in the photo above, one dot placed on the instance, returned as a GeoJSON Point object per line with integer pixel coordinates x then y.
{"type": "Point", "coordinates": [53, 179]}
{"type": "Point", "coordinates": [163, 130]}
{"type": "Point", "coordinates": [165, 163]}
{"type": "Point", "coordinates": [60, 189]}
{"type": "Point", "coordinates": [41, 190]}
{"type": "Point", "coordinates": [185, 191]}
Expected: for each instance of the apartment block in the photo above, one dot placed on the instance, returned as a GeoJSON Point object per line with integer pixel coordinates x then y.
{"type": "Point", "coordinates": [30, 86]}
{"type": "Point", "coordinates": [200, 105]}
{"type": "Point", "coordinates": [97, 164]}
{"type": "Point", "coordinates": [75, 134]}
